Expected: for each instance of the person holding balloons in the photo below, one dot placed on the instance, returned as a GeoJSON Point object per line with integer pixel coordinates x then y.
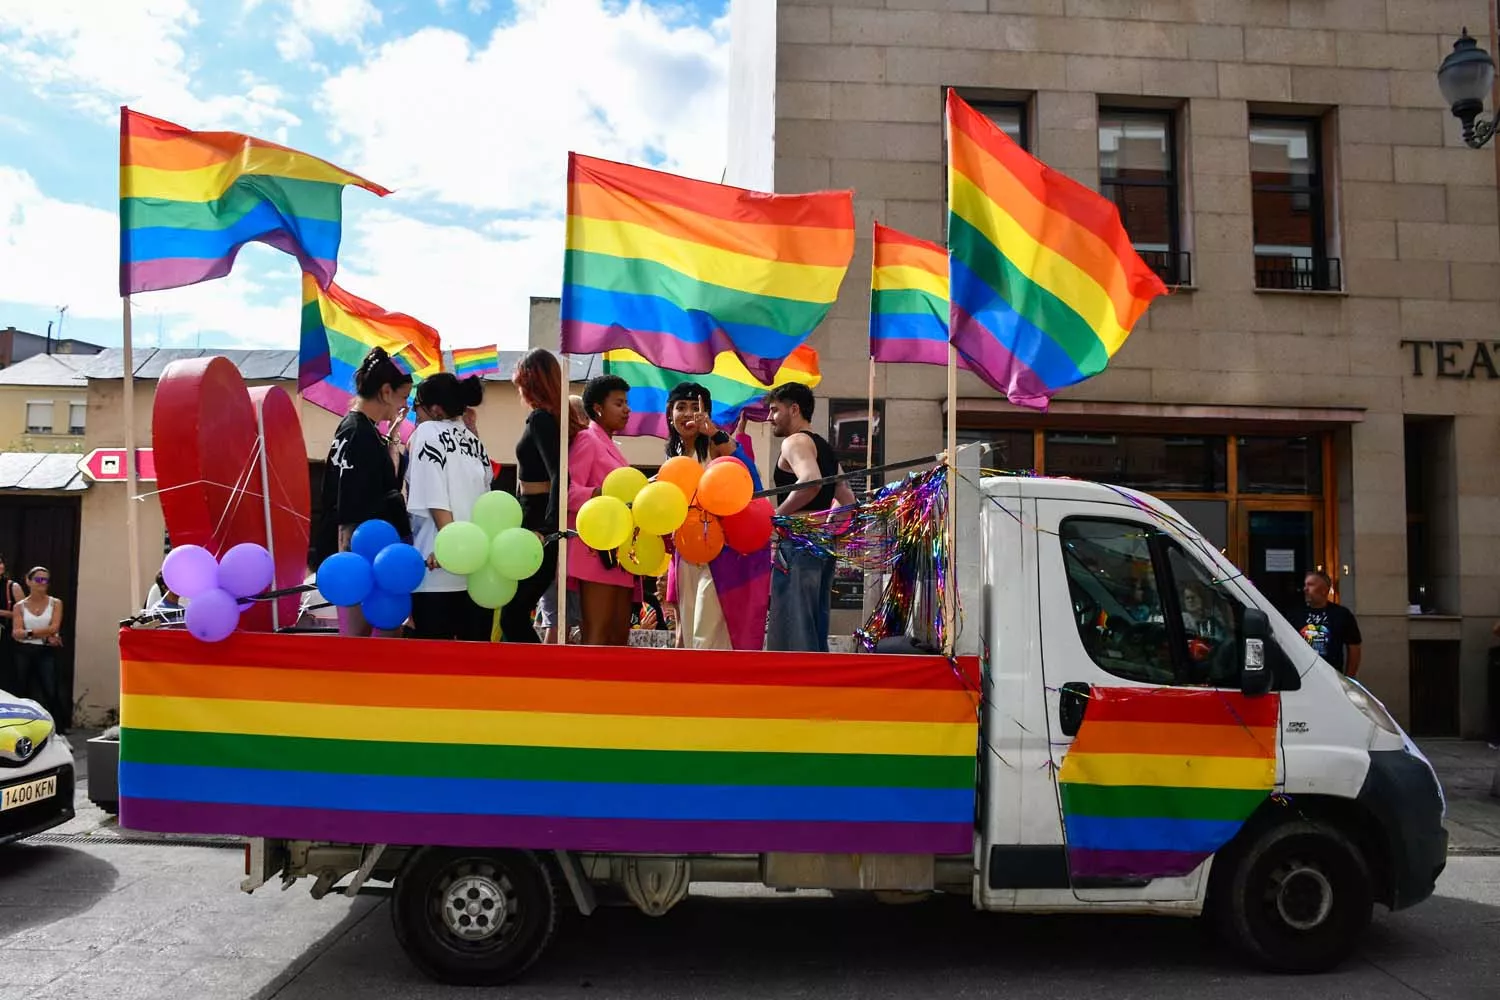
{"type": "Point", "coordinates": [606, 591]}
{"type": "Point", "coordinates": [448, 473]}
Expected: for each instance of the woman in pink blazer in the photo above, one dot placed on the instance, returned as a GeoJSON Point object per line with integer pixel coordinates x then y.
{"type": "Point", "coordinates": [606, 592]}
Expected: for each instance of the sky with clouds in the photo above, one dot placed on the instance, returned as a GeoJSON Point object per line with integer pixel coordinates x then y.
{"type": "Point", "coordinates": [467, 108]}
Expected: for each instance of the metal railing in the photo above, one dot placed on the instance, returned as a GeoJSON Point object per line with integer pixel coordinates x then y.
{"type": "Point", "coordinates": [1298, 274]}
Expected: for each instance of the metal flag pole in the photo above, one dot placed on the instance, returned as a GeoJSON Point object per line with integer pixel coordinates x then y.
{"type": "Point", "coordinates": [950, 596]}
{"type": "Point", "coordinates": [132, 527]}
{"type": "Point", "coordinates": [870, 427]}
{"type": "Point", "coordinates": [565, 418]}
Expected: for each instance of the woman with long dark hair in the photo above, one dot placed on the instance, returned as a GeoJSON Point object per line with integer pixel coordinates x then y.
{"type": "Point", "coordinates": [37, 629]}
{"type": "Point", "coordinates": [362, 480]}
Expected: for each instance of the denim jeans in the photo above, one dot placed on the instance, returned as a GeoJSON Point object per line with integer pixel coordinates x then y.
{"type": "Point", "coordinates": [801, 592]}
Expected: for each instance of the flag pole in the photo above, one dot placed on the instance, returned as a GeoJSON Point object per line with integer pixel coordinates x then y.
{"type": "Point", "coordinates": [870, 427]}
{"type": "Point", "coordinates": [132, 526]}
{"type": "Point", "coordinates": [950, 601]}
{"type": "Point", "coordinates": [565, 419]}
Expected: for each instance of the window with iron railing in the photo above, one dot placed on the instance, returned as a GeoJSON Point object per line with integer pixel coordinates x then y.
{"type": "Point", "coordinates": [1138, 172]}
{"type": "Point", "coordinates": [1289, 207]}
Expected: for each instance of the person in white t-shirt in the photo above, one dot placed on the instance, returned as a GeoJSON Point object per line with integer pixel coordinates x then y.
{"type": "Point", "coordinates": [448, 472]}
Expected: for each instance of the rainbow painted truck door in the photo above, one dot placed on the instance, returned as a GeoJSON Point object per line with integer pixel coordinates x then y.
{"type": "Point", "coordinates": [1157, 757]}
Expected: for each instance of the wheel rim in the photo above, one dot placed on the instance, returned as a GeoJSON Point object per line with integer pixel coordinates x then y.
{"type": "Point", "coordinates": [479, 904]}
{"type": "Point", "coordinates": [1301, 894]}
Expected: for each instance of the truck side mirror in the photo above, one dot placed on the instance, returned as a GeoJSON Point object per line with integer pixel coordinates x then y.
{"type": "Point", "coordinates": [1255, 673]}
{"type": "Point", "coordinates": [1072, 702]}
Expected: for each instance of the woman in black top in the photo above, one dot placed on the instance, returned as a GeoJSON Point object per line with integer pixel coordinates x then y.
{"type": "Point", "coordinates": [362, 480]}
{"type": "Point", "coordinates": [538, 379]}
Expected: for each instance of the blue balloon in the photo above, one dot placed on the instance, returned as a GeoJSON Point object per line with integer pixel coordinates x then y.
{"type": "Point", "coordinates": [345, 579]}
{"type": "Point", "coordinates": [371, 537]}
{"type": "Point", "coordinates": [399, 568]}
{"type": "Point", "coordinates": [386, 610]}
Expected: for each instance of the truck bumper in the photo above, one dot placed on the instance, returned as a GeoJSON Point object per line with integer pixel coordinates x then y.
{"type": "Point", "coordinates": [1403, 794]}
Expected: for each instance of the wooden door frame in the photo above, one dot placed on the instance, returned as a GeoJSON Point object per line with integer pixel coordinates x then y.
{"type": "Point", "coordinates": [1242, 508]}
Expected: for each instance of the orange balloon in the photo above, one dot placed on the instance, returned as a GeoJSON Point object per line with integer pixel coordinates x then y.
{"type": "Point", "coordinates": [683, 473]}
{"type": "Point", "coordinates": [701, 538]}
{"type": "Point", "coordinates": [726, 488]}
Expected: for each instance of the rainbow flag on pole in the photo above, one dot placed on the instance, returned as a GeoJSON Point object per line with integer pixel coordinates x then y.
{"type": "Point", "coordinates": [190, 200]}
{"type": "Point", "coordinates": [1044, 283]}
{"type": "Point", "coordinates": [681, 271]}
{"type": "Point", "coordinates": [730, 384]}
{"type": "Point", "coordinates": [908, 300]}
{"type": "Point", "coordinates": [469, 361]}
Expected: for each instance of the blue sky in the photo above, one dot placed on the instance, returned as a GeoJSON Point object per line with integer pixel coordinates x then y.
{"type": "Point", "coordinates": [465, 107]}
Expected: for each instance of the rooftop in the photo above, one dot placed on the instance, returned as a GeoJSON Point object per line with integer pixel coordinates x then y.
{"type": "Point", "coordinates": [48, 370]}
{"type": "Point", "coordinates": [24, 470]}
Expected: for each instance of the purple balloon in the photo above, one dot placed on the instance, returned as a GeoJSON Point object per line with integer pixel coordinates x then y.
{"type": "Point", "coordinates": [212, 615]}
{"type": "Point", "coordinates": [246, 570]}
{"type": "Point", "coordinates": [190, 570]}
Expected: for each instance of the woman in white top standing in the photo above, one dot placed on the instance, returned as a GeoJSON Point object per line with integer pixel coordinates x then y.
{"type": "Point", "coordinates": [448, 472]}
{"type": "Point", "coordinates": [37, 628]}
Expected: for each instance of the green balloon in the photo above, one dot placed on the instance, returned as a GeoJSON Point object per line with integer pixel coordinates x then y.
{"type": "Point", "coordinates": [494, 512]}
{"type": "Point", "coordinates": [516, 553]}
{"type": "Point", "coordinates": [489, 589]}
{"type": "Point", "coordinates": [462, 547]}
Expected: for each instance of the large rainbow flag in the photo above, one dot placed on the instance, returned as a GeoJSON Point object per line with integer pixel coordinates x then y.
{"type": "Point", "coordinates": [338, 330]}
{"type": "Point", "coordinates": [730, 384]}
{"type": "Point", "coordinates": [466, 744]}
{"type": "Point", "coordinates": [1159, 779]}
{"type": "Point", "coordinates": [908, 300]}
{"type": "Point", "coordinates": [1044, 282]}
{"type": "Point", "coordinates": [681, 271]}
{"type": "Point", "coordinates": [190, 200]}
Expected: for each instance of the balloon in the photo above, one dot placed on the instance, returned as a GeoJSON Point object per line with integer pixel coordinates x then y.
{"type": "Point", "coordinates": [345, 579]}
{"type": "Point", "coordinates": [371, 537]}
{"type": "Point", "coordinates": [604, 523]}
{"type": "Point", "coordinates": [246, 570]}
{"type": "Point", "coordinates": [663, 566]}
{"type": "Point", "coordinates": [683, 473]}
{"type": "Point", "coordinates": [701, 538]}
{"type": "Point", "coordinates": [399, 569]}
{"type": "Point", "coordinates": [212, 615]}
{"type": "Point", "coordinates": [516, 553]}
{"type": "Point", "coordinates": [190, 570]}
{"type": "Point", "coordinates": [726, 487]}
{"type": "Point", "coordinates": [750, 529]}
{"type": "Point", "coordinates": [494, 512]}
{"type": "Point", "coordinates": [386, 610]}
{"type": "Point", "coordinates": [659, 509]}
{"type": "Point", "coordinates": [642, 555]}
{"type": "Point", "coordinates": [624, 483]}
{"type": "Point", "coordinates": [488, 589]}
{"type": "Point", "coordinates": [462, 547]}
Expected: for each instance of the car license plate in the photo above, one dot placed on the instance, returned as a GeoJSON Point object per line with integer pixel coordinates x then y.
{"type": "Point", "coordinates": [16, 796]}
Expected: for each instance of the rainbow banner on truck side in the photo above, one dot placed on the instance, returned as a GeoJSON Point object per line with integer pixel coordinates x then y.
{"type": "Point", "coordinates": [1158, 779]}
{"type": "Point", "coordinates": [480, 745]}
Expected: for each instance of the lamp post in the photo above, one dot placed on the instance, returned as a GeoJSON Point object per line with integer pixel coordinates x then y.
{"type": "Point", "coordinates": [1465, 78]}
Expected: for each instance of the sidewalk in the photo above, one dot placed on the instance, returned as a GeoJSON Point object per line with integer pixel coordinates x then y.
{"type": "Point", "coordinates": [1467, 768]}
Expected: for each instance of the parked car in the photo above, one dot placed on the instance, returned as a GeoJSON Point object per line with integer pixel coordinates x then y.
{"type": "Point", "coordinates": [36, 770]}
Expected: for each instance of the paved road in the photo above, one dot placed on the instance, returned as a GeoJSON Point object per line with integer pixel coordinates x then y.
{"type": "Point", "coordinates": [125, 921]}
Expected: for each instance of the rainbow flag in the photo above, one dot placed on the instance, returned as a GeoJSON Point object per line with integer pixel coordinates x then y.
{"type": "Point", "coordinates": [190, 200]}
{"type": "Point", "coordinates": [1045, 285]}
{"type": "Point", "coordinates": [681, 271]}
{"type": "Point", "coordinates": [908, 300]}
{"type": "Point", "coordinates": [1158, 779]}
{"type": "Point", "coordinates": [468, 745]}
{"type": "Point", "coordinates": [338, 330]}
{"type": "Point", "coordinates": [730, 384]}
{"type": "Point", "coordinates": [469, 361]}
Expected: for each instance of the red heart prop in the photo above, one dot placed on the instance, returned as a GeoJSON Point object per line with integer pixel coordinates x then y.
{"type": "Point", "coordinates": [205, 426]}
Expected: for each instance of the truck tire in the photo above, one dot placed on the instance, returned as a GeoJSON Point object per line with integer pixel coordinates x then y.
{"type": "Point", "coordinates": [1296, 898]}
{"type": "Point", "coordinates": [474, 917]}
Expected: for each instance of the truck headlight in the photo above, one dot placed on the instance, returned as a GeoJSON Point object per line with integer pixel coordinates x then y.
{"type": "Point", "coordinates": [1369, 705]}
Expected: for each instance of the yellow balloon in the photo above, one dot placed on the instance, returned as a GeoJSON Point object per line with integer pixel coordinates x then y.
{"type": "Point", "coordinates": [624, 483]}
{"type": "Point", "coordinates": [604, 523]}
{"type": "Point", "coordinates": [642, 555]}
{"type": "Point", "coordinates": [664, 565]}
{"type": "Point", "coordinates": [659, 509]}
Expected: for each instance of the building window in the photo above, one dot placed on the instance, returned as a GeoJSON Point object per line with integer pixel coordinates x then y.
{"type": "Point", "coordinates": [1291, 229]}
{"type": "Point", "coordinates": [1138, 172]}
{"type": "Point", "coordinates": [39, 418]}
{"type": "Point", "coordinates": [1286, 465]}
{"type": "Point", "coordinates": [1012, 451]}
{"type": "Point", "coordinates": [1157, 463]}
{"type": "Point", "coordinates": [77, 418]}
{"type": "Point", "coordinates": [1010, 116]}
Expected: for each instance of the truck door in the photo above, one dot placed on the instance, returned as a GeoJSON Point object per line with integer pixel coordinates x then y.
{"type": "Point", "coordinates": [1129, 617]}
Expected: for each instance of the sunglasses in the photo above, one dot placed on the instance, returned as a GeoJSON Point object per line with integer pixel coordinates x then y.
{"type": "Point", "coordinates": [41, 579]}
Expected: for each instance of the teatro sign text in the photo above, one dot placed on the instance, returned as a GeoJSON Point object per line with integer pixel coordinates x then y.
{"type": "Point", "coordinates": [1454, 358]}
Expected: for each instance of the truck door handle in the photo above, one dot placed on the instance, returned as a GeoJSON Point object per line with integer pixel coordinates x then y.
{"type": "Point", "coordinates": [1072, 702]}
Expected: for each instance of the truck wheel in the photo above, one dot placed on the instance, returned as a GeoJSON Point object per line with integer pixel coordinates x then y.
{"type": "Point", "coordinates": [1296, 899]}
{"type": "Point", "coordinates": [474, 918]}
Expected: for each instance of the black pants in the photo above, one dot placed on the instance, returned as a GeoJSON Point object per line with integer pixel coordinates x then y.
{"type": "Point", "coordinates": [515, 617]}
{"type": "Point", "coordinates": [450, 615]}
{"type": "Point", "coordinates": [37, 674]}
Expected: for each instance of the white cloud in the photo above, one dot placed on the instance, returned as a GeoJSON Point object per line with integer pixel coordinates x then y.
{"type": "Point", "coordinates": [342, 21]}
{"type": "Point", "coordinates": [97, 55]}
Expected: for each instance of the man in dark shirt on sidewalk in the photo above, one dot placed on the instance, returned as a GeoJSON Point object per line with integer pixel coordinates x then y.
{"type": "Point", "coordinates": [1328, 628]}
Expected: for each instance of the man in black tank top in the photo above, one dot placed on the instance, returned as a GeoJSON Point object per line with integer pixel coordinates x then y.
{"type": "Point", "coordinates": [802, 585]}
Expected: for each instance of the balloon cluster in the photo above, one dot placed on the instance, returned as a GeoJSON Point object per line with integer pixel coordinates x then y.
{"type": "Point", "coordinates": [703, 509]}
{"type": "Point", "coordinates": [216, 588]}
{"type": "Point", "coordinates": [492, 550]}
{"type": "Point", "coordinates": [378, 573]}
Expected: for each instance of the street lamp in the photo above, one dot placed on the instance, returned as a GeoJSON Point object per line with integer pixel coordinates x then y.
{"type": "Point", "coordinates": [1465, 78]}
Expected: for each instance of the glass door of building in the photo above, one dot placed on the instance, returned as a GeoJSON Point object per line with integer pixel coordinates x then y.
{"type": "Point", "coordinates": [1279, 543]}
